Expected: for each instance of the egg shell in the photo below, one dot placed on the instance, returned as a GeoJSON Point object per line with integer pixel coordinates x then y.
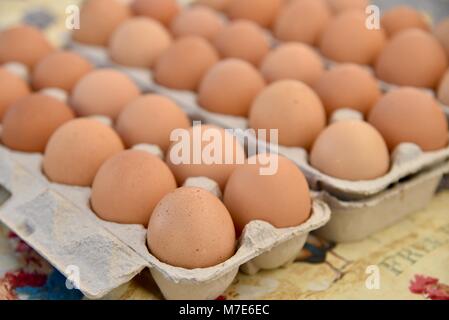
{"type": "Point", "coordinates": [128, 186]}
{"type": "Point", "coordinates": [346, 39]}
{"type": "Point", "coordinates": [294, 61]}
{"type": "Point", "coordinates": [197, 21]}
{"type": "Point", "coordinates": [441, 32]}
{"type": "Point", "coordinates": [348, 86]}
{"type": "Point", "coordinates": [103, 92]}
{"type": "Point", "coordinates": [60, 69]}
{"type": "Point", "coordinates": [77, 149]}
{"type": "Point", "coordinates": [443, 89]}
{"type": "Point", "coordinates": [351, 150]}
{"type": "Point", "coordinates": [98, 19]}
{"type": "Point", "coordinates": [229, 87]}
{"type": "Point", "coordinates": [24, 44]}
{"type": "Point", "coordinates": [29, 122]}
{"type": "Point", "coordinates": [219, 172]}
{"type": "Point", "coordinates": [292, 108]}
{"type": "Point", "coordinates": [191, 228]}
{"type": "Point", "coordinates": [219, 5]}
{"type": "Point", "coordinates": [184, 63]}
{"type": "Point", "coordinates": [401, 18]}
{"type": "Point", "coordinates": [339, 6]}
{"type": "Point", "coordinates": [243, 40]}
{"type": "Point", "coordinates": [412, 58]}
{"type": "Point", "coordinates": [410, 115]}
{"type": "Point", "coordinates": [162, 10]}
{"type": "Point", "coordinates": [138, 42]}
{"type": "Point", "coordinates": [262, 12]}
{"type": "Point", "coordinates": [150, 119]}
{"type": "Point", "coordinates": [302, 21]}
{"type": "Point", "coordinates": [281, 199]}
{"type": "Point", "coordinates": [12, 89]}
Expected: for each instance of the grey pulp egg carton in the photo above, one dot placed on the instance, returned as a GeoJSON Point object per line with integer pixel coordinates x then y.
{"type": "Point", "coordinates": [56, 220]}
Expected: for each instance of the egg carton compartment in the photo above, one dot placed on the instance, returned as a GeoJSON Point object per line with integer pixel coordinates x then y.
{"type": "Point", "coordinates": [56, 220]}
{"type": "Point", "coordinates": [357, 220]}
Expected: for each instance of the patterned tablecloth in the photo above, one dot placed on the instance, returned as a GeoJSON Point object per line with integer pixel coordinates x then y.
{"type": "Point", "coordinates": [411, 257]}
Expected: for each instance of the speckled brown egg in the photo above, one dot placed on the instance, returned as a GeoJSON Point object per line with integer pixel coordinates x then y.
{"type": "Point", "coordinates": [150, 119]}
{"type": "Point", "coordinates": [77, 149]}
{"type": "Point", "coordinates": [103, 92]}
{"type": "Point", "coordinates": [339, 6]}
{"type": "Point", "coordinates": [12, 89]}
{"type": "Point", "coordinates": [24, 44]}
{"type": "Point", "coordinates": [441, 32]}
{"type": "Point", "coordinates": [346, 39]}
{"type": "Point", "coordinates": [410, 115]}
{"type": "Point", "coordinates": [351, 150]}
{"type": "Point", "coordinates": [262, 12]}
{"type": "Point", "coordinates": [293, 61]}
{"type": "Point", "coordinates": [281, 199]}
{"type": "Point", "coordinates": [29, 123]}
{"type": "Point", "coordinates": [60, 69]}
{"type": "Point", "coordinates": [401, 18]}
{"type": "Point", "coordinates": [293, 108]}
{"type": "Point", "coordinates": [230, 87]}
{"type": "Point", "coordinates": [185, 155]}
{"type": "Point", "coordinates": [98, 19]}
{"type": "Point", "coordinates": [197, 21]}
{"type": "Point", "coordinates": [219, 5]}
{"type": "Point", "coordinates": [302, 21]}
{"type": "Point", "coordinates": [191, 228]}
{"type": "Point", "coordinates": [138, 42]}
{"type": "Point", "coordinates": [128, 186]}
{"type": "Point", "coordinates": [412, 58]}
{"type": "Point", "coordinates": [243, 40]}
{"type": "Point", "coordinates": [184, 63]}
{"type": "Point", "coordinates": [348, 86]}
{"type": "Point", "coordinates": [162, 10]}
{"type": "Point", "coordinates": [443, 89]}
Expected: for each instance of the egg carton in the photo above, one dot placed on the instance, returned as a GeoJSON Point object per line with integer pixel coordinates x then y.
{"type": "Point", "coordinates": [56, 220]}
{"type": "Point", "coordinates": [357, 220]}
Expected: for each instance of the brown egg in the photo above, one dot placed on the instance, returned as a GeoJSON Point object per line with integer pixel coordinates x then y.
{"type": "Point", "coordinates": [302, 21]}
{"type": "Point", "coordinates": [243, 40]}
{"type": "Point", "coordinates": [348, 86]}
{"type": "Point", "coordinates": [138, 42]}
{"type": "Point", "coordinates": [24, 44]}
{"type": "Point", "coordinates": [60, 69]}
{"type": "Point", "coordinates": [293, 61]}
{"type": "Point", "coordinates": [162, 10]}
{"type": "Point", "coordinates": [410, 115]}
{"type": "Point", "coordinates": [150, 119]}
{"type": "Point", "coordinates": [291, 107]}
{"type": "Point", "coordinates": [441, 32]}
{"type": "Point", "coordinates": [443, 89]}
{"type": "Point", "coordinates": [219, 5]}
{"type": "Point", "coordinates": [98, 19]}
{"type": "Point", "coordinates": [281, 199]}
{"type": "Point", "coordinates": [403, 17]}
{"type": "Point", "coordinates": [339, 6]}
{"type": "Point", "coordinates": [129, 185]}
{"type": "Point", "coordinates": [412, 58]}
{"type": "Point", "coordinates": [197, 21]}
{"type": "Point", "coordinates": [191, 228]}
{"type": "Point", "coordinates": [262, 12]}
{"type": "Point", "coordinates": [230, 87]}
{"type": "Point", "coordinates": [103, 92]}
{"type": "Point", "coordinates": [191, 155]}
{"type": "Point", "coordinates": [346, 39]}
{"type": "Point", "coordinates": [29, 123]}
{"type": "Point", "coordinates": [183, 65]}
{"type": "Point", "coordinates": [351, 150]}
{"type": "Point", "coordinates": [77, 149]}
{"type": "Point", "coordinates": [12, 89]}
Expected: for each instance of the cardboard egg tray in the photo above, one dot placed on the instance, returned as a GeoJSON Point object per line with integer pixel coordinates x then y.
{"type": "Point", "coordinates": [56, 220]}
